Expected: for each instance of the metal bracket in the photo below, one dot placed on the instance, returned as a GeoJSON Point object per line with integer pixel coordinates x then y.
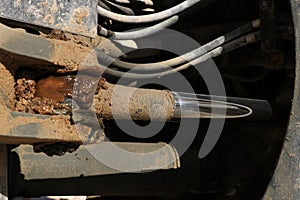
{"type": "Point", "coordinates": [85, 161]}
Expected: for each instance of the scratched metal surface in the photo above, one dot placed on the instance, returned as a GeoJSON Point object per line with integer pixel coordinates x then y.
{"type": "Point", "coordinates": [74, 16]}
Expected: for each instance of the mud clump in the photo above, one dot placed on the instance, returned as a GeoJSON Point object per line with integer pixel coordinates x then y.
{"type": "Point", "coordinates": [27, 101]}
{"type": "Point", "coordinates": [6, 86]}
{"type": "Point", "coordinates": [24, 91]}
{"type": "Point", "coordinates": [58, 35]}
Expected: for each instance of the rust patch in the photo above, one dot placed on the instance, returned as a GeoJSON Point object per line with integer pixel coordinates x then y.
{"type": "Point", "coordinates": [80, 88]}
{"type": "Point", "coordinates": [55, 88]}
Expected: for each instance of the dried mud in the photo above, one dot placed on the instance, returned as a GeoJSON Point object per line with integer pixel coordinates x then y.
{"type": "Point", "coordinates": [69, 54]}
{"type": "Point", "coordinates": [121, 102]}
{"type": "Point", "coordinates": [6, 88]}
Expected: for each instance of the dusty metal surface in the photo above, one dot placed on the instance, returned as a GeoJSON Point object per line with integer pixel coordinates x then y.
{"type": "Point", "coordinates": [22, 128]}
{"type": "Point", "coordinates": [64, 53]}
{"type": "Point", "coordinates": [285, 184]}
{"type": "Point", "coordinates": [25, 44]}
{"type": "Point", "coordinates": [74, 16]}
{"type": "Point", "coordinates": [3, 173]}
{"type": "Point", "coordinates": [82, 162]}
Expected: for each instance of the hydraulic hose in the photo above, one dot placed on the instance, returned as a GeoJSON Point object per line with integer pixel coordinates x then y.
{"type": "Point", "coordinates": [148, 18]}
{"type": "Point", "coordinates": [126, 10]}
{"type": "Point", "coordinates": [139, 33]}
{"type": "Point", "coordinates": [128, 75]}
{"type": "Point", "coordinates": [148, 67]}
{"type": "Point", "coordinates": [238, 43]}
{"type": "Point", "coordinates": [151, 67]}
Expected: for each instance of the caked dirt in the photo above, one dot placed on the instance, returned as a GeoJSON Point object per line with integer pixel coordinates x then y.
{"type": "Point", "coordinates": [121, 102]}
{"type": "Point", "coordinates": [69, 54]}
{"type": "Point", "coordinates": [6, 87]}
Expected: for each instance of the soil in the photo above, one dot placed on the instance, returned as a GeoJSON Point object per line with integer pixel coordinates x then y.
{"type": "Point", "coordinates": [39, 93]}
{"type": "Point", "coordinates": [76, 39]}
{"type": "Point", "coordinates": [68, 54]}
{"type": "Point", "coordinates": [24, 91]}
{"type": "Point", "coordinates": [6, 87]}
{"type": "Point", "coordinates": [58, 35]}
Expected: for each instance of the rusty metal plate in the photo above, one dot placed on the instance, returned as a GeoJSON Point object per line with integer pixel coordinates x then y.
{"type": "Point", "coordinates": [74, 16]}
